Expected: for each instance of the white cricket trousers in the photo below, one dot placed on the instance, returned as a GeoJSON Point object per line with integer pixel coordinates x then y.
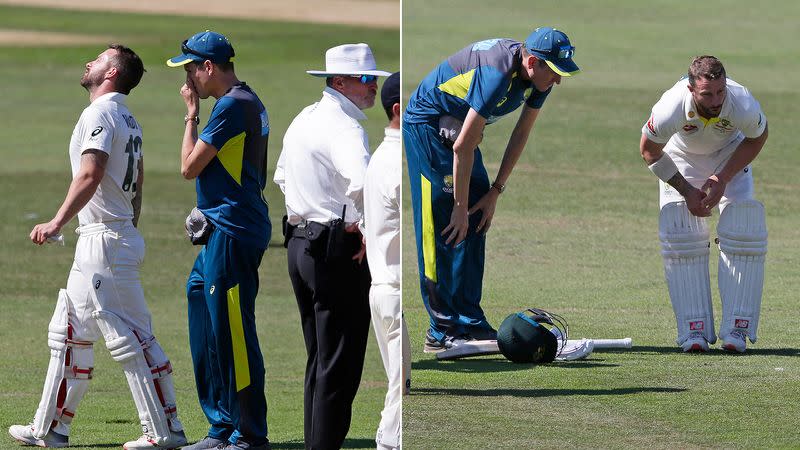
{"type": "Point", "coordinates": [105, 276]}
{"type": "Point", "coordinates": [392, 336]}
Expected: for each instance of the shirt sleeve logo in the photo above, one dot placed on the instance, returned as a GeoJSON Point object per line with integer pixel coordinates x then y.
{"type": "Point", "coordinates": [97, 131]}
{"type": "Point", "coordinates": [651, 127]}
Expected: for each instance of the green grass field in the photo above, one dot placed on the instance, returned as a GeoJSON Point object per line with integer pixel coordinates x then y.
{"type": "Point", "coordinates": [576, 233]}
{"type": "Point", "coordinates": [40, 103]}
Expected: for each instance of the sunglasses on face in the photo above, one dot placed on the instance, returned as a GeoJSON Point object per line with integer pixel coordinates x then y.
{"type": "Point", "coordinates": [365, 79]}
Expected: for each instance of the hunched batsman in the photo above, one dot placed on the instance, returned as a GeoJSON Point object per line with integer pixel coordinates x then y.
{"type": "Point", "coordinates": [700, 140]}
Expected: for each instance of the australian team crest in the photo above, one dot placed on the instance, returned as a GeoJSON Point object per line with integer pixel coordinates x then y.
{"type": "Point", "coordinates": [447, 182]}
{"type": "Point", "coordinates": [724, 125]}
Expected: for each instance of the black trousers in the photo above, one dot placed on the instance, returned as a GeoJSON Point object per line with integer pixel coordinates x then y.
{"type": "Point", "coordinates": [333, 298]}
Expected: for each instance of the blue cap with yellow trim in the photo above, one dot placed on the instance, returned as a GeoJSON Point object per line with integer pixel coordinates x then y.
{"type": "Point", "coordinates": [207, 45]}
{"type": "Point", "coordinates": [554, 47]}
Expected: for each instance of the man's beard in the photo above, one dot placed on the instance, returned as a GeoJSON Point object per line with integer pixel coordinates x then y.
{"type": "Point", "coordinates": [87, 82]}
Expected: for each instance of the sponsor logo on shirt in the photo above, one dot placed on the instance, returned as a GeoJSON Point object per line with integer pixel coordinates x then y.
{"type": "Point", "coordinates": [97, 131]}
{"type": "Point", "coordinates": [447, 181]}
{"type": "Point", "coordinates": [689, 128]}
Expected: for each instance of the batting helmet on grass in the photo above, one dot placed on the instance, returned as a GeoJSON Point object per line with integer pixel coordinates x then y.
{"type": "Point", "coordinates": [526, 337]}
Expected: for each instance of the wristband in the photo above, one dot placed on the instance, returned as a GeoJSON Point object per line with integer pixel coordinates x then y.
{"type": "Point", "coordinates": [664, 168]}
{"type": "Point", "coordinates": [500, 187]}
{"type": "Point", "coordinates": [187, 118]}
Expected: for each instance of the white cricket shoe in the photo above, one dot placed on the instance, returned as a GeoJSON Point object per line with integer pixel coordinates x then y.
{"type": "Point", "coordinates": [146, 442]}
{"type": "Point", "coordinates": [24, 434]}
{"type": "Point", "coordinates": [735, 342]}
{"type": "Point", "coordinates": [695, 343]}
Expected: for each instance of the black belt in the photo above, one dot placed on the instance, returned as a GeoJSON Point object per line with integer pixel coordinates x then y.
{"type": "Point", "coordinates": [309, 230]}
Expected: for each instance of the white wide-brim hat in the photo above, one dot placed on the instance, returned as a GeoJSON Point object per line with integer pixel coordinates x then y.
{"type": "Point", "coordinates": [349, 59]}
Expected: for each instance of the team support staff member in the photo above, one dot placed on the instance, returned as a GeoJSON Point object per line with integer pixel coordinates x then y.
{"type": "Point", "coordinates": [699, 141]}
{"type": "Point", "coordinates": [321, 173]}
{"type": "Point", "coordinates": [104, 293]}
{"type": "Point", "coordinates": [382, 233]}
{"type": "Point", "coordinates": [229, 162]}
{"type": "Point", "coordinates": [452, 198]}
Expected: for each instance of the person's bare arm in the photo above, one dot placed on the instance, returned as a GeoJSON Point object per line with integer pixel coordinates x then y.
{"type": "Point", "coordinates": [744, 154]}
{"type": "Point", "coordinates": [514, 148]}
{"type": "Point", "coordinates": [653, 154]}
{"type": "Point", "coordinates": [463, 159]}
{"type": "Point", "coordinates": [81, 190]}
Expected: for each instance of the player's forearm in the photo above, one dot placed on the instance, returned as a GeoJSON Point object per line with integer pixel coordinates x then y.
{"type": "Point", "coordinates": [187, 147]}
{"type": "Point", "coordinates": [743, 155]}
{"type": "Point", "coordinates": [81, 190]}
{"type": "Point", "coordinates": [462, 169]}
{"type": "Point", "coordinates": [464, 155]}
{"type": "Point", "coordinates": [516, 144]}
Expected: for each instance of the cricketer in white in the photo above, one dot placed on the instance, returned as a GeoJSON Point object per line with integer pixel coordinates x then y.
{"type": "Point", "coordinates": [104, 295]}
{"type": "Point", "coordinates": [382, 224]}
{"type": "Point", "coordinates": [699, 141]}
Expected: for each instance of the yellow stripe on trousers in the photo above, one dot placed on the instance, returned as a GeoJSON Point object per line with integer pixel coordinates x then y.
{"type": "Point", "coordinates": [238, 344]}
{"type": "Point", "coordinates": [428, 236]}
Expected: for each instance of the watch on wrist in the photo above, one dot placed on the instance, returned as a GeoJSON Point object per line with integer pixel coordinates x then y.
{"type": "Point", "coordinates": [187, 118]}
{"type": "Point", "coordinates": [500, 187]}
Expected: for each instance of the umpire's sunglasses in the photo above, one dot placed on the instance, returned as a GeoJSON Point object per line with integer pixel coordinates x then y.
{"type": "Point", "coordinates": [365, 79]}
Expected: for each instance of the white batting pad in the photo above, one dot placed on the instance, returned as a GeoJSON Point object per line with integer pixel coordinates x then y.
{"type": "Point", "coordinates": [126, 350]}
{"type": "Point", "coordinates": [161, 369]}
{"type": "Point", "coordinates": [685, 249]}
{"type": "Point", "coordinates": [57, 341]}
{"type": "Point", "coordinates": [742, 233]}
{"type": "Point", "coordinates": [68, 373]}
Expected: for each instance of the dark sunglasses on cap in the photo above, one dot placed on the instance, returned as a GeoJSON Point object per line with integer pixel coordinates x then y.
{"type": "Point", "coordinates": [566, 51]}
{"type": "Point", "coordinates": [365, 79]}
{"type": "Point", "coordinates": [188, 50]}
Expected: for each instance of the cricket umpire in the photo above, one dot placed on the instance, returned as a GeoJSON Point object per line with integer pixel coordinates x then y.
{"type": "Point", "coordinates": [321, 172]}
{"type": "Point", "coordinates": [452, 198]}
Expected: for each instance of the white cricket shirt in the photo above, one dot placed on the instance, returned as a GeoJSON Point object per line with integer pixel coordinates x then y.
{"type": "Point", "coordinates": [323, 161]}
{"type": "Point", "coordinates": [675, 120]}
{"type": "Point", "coordinates": [108, 126]}
{"type": "Point", "coordinates": [382, 211]}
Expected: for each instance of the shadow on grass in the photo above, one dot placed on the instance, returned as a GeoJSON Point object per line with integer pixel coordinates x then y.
{"type": "Point", "coordinates": [715, 351]}
{"type": "Point", "coordinates": [348, 443]}
{"type": "Point", "coordinates": [542, 392]}
{"type": "Point", "coordinates": [485, 365]}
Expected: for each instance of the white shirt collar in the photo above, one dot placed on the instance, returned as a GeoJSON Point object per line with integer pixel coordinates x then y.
{"type": "Point", "coordinates": [347, 106]}
{"type": "Point", "coordinates": [111, 97]}
{"type": "Point", "coordinates": [391, 134]}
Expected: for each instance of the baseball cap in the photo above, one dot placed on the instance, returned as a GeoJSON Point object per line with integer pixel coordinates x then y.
{"type": "Point", "coordinates": [554, 47]}
{"type": "Point", "coordinates": [390, 91]}
{"type": "Point", "coordinates": [207, 45]}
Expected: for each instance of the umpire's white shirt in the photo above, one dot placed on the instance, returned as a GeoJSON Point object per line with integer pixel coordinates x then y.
{"type": "Point", "coordinates": [675, 121]}
{"type": "Point", "coordinates": [108, 126]}
{"type": "Point", "coordinates": [323, 161]}
{"type": "Point", "coordinates": [382, 211]}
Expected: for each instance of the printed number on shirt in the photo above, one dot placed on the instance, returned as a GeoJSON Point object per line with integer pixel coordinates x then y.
{"type": "Point", "coordinates": [132, 149]}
